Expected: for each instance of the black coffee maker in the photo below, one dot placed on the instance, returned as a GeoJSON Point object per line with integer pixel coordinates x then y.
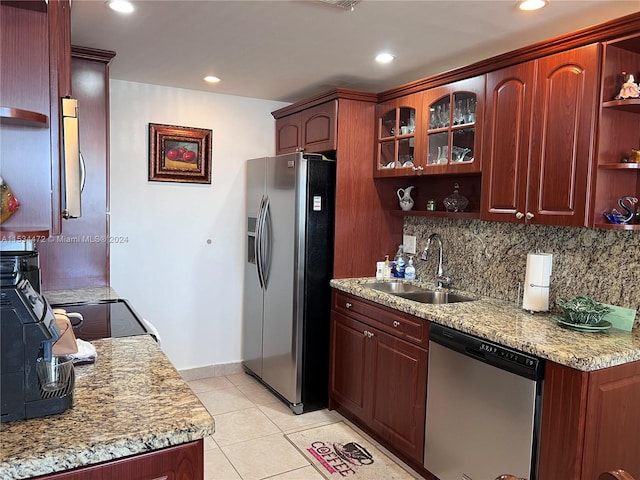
{"type": "Point", "coordinates": [33, 382]}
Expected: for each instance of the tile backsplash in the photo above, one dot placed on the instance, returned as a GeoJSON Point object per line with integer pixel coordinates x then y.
{"type": "Point", "coordinates": [489, 258]}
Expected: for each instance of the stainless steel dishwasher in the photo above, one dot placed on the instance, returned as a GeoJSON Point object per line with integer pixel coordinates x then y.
{"type": "Point", "coordinates": [483, 408]}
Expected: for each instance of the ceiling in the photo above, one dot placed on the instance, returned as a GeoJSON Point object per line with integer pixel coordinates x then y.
{"type": "Point", "coordinates": [290, 49]}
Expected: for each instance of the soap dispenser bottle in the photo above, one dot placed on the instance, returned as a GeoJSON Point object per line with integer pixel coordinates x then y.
{"type": "Point", "coordinates": [399, 262]}
{"type": "Point", "coordinates": [410, 270]}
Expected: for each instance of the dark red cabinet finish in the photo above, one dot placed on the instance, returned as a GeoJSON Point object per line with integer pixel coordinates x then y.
{"type": "Point", "coordinates": [539, 136]}
{"type": "Point", "coordinates": [182, 462]}
{"type": "Point", "coordinates": [378, 373]}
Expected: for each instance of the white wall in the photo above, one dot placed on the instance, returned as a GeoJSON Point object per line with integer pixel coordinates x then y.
{"type": "Point", "coordinates": [189, 289]}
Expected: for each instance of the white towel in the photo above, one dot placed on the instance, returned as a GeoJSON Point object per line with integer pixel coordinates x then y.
{"type": "Point", "coordinates": [86, 352]}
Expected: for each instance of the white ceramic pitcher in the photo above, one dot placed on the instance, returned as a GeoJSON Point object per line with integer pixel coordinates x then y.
{"type": "Point", "coordinates": [404, 195]}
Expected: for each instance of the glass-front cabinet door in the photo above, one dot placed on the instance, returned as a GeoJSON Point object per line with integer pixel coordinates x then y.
{"type": "Point", "coordinates": [397, 143]}
{"type": "Point", "coordinates": [452, 118]}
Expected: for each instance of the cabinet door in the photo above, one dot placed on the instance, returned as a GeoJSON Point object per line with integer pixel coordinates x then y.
{"type": "Point", "coordinates": [612, 429]}
{"type": "Point", "coordinates": [562, 147]}
{"type": "Point", "coordinates": [398, 146]}
{"type": "Point", "coordinates": [348, 365]}
{"type": "Point", "coordinates": [182, 462]}
{"type": "Point", "coordinates": [505, 153]}
{"type": "Point", "coordinates": [288, 134]}
{"type": "Point", "coordinates": [398, 374]}
{"type": "Point", "coordinates": [319, 127]}
{"type": "Point", "coordinates": [452, 119]}
{"type": "Point", "coordinates": [83, 260]}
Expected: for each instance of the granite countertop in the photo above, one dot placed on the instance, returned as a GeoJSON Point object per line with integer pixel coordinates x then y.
{"type": "Point", "coordinates": [507, 324]}
{"type": "Point", "coordinates": [130, 401]}
{"type": "Point", "coordinates": [78, 295]}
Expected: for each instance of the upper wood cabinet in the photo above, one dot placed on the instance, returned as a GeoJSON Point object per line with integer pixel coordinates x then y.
{"type": "Point", "coordinates": [398, 143]}
{"type": "Point", "coordinates": [437, 131]}
{"type": "Point", "coordinates": [539, 139]}
{"type": "Point", "coordinates": [452, 127]}
{"type": "Point", "coordinates": [85, 264]}
{"type": "Point", "coordinates": [33, 73]}
{"type": "Point", "coordinates": [311, 131]}
{"type": "Point", "coordinates": [619, 132]}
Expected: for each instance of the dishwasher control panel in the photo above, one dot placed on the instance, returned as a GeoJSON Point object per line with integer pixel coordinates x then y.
{"type": "Point", "coordinates": [517, 362]}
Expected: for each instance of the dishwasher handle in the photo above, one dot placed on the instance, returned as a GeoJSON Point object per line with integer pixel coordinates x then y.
{"type": "Point", "coordinates": [505, 358]}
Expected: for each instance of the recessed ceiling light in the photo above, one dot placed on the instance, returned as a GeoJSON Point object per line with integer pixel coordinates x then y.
{"type": "Point", "coordinates": [532, 4]}
{"type": "Point", "coordinates": [120, 6]}
{"type": "Point", "coordinates": [211, 79]}
{"type": "Point", "coordinates": [385, 57]}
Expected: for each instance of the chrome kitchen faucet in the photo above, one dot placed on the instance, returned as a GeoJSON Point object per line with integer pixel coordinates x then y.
{"type": "Point", "coordinates": [441, 279]}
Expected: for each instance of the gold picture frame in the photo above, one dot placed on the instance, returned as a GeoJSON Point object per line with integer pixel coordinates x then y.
{"type": "Point", "coordinates": [179, 154]}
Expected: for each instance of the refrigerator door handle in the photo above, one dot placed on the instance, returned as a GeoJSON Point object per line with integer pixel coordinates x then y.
{"type": "Point", "coordinates": [267, 233]}
{"type": "Point", "coordinates": [259, 241]}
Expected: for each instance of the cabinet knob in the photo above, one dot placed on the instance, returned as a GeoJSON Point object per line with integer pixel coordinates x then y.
{"type": "Point", "coordinates": [396, 323]}
{"type": "Point", "coordinates": [519, 215]}
{"type": "Point", "coordinates": [417, 169]}
{"type": "Point", "coordinates": [529, 215]}
{"type": "Point", "coordinates": [348, 305]}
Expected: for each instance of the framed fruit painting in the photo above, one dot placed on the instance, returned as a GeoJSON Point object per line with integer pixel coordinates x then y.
{"type": "Point", "coordinates": [179, 154]}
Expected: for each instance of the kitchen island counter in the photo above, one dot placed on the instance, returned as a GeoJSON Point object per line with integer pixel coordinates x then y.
{"type": "Point", "coordinates": [130, 401]}
{"type": "Point", "coordinates": [507, 324]}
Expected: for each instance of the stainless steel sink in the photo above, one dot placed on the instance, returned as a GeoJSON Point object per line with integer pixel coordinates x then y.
{"type": "Point", "coordinates": [435, 297]}
{"type": "Point", "coordinates": [396, 287]}
{"type": "Point", "coordinates": [419, 294]}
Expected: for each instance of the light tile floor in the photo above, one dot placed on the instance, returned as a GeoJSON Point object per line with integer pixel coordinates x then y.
{"type": "Point", "coordinates": [249, 441]}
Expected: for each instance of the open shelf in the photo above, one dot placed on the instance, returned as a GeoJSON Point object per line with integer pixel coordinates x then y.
{"type": "Point", "coordinates": [620, 166]}
{"type": "Point", "coordinates": [437, 213]}
{"type": "Point", "coordinates": [629, 105]}
{"type": "Point", "coordinates": [618, 226]}
{"type": "Point", "coordinates": [17, 116]}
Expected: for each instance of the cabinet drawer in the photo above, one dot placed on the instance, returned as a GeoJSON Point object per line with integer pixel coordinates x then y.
{"type": "Point", "coordinates": [400, 324]}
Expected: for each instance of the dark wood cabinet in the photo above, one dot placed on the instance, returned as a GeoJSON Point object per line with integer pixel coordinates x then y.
{"type": "Point", "coordinates": [24, 103]}
{"type": "Point", "coordinates": [378, 373]}
{"type": "Point", "coordinates": [79, 258]}
{"type": "Point", "coordinates": [34, 52]}
{"type": "Point", "coordinates": [398, 141]}
{"type": "Point", "coordinates": [311, 131]}
{"type": "Point", "coordinates": [452, 119]}
{"type": "Point", "coordinates": [618, 134]}
{"type": "Point", "coordinates": [360, 219]}
{"type": "Point", "coordinates": [182, 462]}
{"type": "Point", "coordinates": [539, 136]}
{"type": "Point", "coordinates": [590, 422]}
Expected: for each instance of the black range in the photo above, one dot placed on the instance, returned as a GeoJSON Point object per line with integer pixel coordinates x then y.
{"type": "Point", "coordinates": [104, 319]}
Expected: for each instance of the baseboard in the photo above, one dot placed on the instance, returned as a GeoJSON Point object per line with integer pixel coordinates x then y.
{"type": "Point", "coordinates": [220, 370]}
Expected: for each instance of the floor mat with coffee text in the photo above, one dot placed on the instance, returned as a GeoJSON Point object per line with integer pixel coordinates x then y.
{"type": "Point", "coordinates": [338, 451]}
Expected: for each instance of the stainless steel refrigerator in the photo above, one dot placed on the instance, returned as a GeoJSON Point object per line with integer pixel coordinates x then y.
{"type": "Point", "coordinates": [289, 262]}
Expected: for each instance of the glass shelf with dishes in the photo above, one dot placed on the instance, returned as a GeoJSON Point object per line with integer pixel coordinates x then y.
{"type": "Point", "coordinates": [396, 142]}
{"type": "Point", "coordinates": [452, 116]}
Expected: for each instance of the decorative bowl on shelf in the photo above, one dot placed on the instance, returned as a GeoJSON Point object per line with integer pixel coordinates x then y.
{"type": "Point", "coordinates": [582, 310]}
{"type": "Point", "coordinates": [455, 202]}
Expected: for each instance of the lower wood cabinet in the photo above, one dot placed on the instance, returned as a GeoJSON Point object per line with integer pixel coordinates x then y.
{"type": "Point", "coordinates": [378, 373]}
{"type": "Point", "coordinates": [590, 422]}
{"type": "Point", "coordinates": [182, 462]}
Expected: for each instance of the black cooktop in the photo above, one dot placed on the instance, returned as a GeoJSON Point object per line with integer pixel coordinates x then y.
{"type": "Point", "coordinates": [104, 319]}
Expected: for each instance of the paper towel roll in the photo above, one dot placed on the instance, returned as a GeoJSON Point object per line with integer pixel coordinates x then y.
{"type": "Point", "coordinates": [536, 282]}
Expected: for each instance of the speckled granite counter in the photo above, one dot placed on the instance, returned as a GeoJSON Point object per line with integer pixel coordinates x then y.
{"type": "Point", "coordinates": [507, 324]}
{"type": "Point", "coordinates": [131, 401]}
{"type": "Point", "coordinates": [80, 295]}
